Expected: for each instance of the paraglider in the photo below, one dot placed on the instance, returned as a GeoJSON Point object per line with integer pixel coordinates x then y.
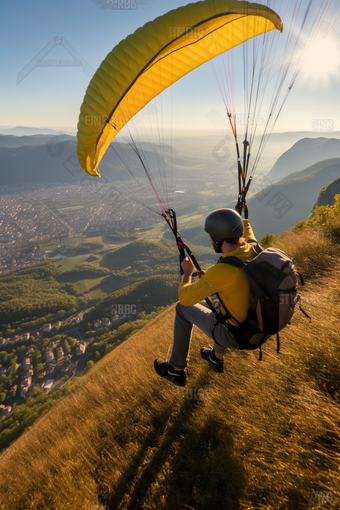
{"type": "Point", "coordinates": [162, 52]}
{"type": "Point", "coordinates": [159, 54]}
{"type": "Point", "coordinates": [153, 58]}
{"type": "Point", "coordinates": [147, 62]}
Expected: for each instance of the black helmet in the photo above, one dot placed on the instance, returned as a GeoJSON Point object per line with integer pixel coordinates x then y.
{"type": "Point", "coordinates": [224, 224]}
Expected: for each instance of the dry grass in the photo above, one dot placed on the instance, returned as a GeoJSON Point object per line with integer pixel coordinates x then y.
{"type": "Point", "coordinates": [264, 435]}
{"type": "Point", "coordinates": [311, 248]}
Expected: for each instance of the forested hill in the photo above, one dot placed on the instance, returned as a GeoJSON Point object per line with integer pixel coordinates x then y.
{"type": "Point", "coordinates": [327, 194]}
{"type": "Point", "coordinates": [260, 435]}
{"type": "Point", "coordinates": [303, 154]}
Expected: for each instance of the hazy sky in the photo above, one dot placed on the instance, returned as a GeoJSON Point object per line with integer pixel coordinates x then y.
{"type": "Point", "coordinates": [50, 96]}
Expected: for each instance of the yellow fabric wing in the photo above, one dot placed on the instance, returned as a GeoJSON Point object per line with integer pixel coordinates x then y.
{"type": "Point", "coordinates": [154, 57]}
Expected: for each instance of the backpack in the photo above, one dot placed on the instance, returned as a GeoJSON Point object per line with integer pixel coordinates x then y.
{"type": "Point", "coordinates": [273, 297]}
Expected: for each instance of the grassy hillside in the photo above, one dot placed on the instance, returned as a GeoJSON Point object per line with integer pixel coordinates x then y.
{"type": "Point", "coordinates": [262, 435]}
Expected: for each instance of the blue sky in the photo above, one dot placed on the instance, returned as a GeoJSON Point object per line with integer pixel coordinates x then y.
{"type": "Point", "coordinates": [51, 96]}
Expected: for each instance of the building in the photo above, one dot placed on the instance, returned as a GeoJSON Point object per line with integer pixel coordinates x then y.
{"type": "Point", "coordinates": [48, 384]}
{"type": "Point", "coordinates": [26, 336]}
{"type": "Point", "coordinates": [13, 390]}
{"type": "Point", "coordinates": [27, 381]}
{"type": "Point", "coordinates": [58, 324]}
{"type": "Point", "coordinates": [49, 355]}
{"type": "Point", "coordinates": [60, 352]}
{"type": "Point", "coordinates": [98, 324]}
{"type": "Point", "coordinates": [47, 327]}
{"type": "Point", "coordinates": [28, 373]}
{"type": "Point", "coordinates": [23, 389]}
{"type": "Point", "coordinates": [53, 345]}
{"type": "Point", "coordinates": [2, 341]}
{"type": "Point", "coordinates": [5, 410]}
{"type": "Point", "coordinates": [80, 348]}
{"type": "Point", "coordinates": [26, 363]}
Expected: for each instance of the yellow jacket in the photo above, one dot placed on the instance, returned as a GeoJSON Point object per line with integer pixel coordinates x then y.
{"type": "Point", "coordinates": [230, 282]}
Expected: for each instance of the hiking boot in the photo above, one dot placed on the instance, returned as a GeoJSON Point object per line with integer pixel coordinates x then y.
{"type": "Point", "coordinates": [164, 369]}
{"type": "Point", "coordinates": [209, 356]}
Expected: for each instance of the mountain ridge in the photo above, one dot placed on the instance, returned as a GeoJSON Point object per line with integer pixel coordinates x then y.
{"type": "Point", "coordinates": [280, 206]}
{"type": "Point", "coordinates": [304, 153]}
{"type": "Point", "coordinates": [327, 194]}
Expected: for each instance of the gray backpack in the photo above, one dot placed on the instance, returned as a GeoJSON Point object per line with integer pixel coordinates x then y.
{"type": "Point", "coordinates": [273, 297]}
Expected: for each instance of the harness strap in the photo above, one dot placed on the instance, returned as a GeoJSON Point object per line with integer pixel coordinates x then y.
{"type": "Point", "coordinates": [301, 277]}
{"type": "Point", "coordinates": [171, 220]}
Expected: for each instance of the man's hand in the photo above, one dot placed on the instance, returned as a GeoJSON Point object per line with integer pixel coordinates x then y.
{"type": "Point", "coordinates": [188, 268]}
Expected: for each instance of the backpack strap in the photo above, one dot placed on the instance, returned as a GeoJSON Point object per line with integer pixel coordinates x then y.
{"type": "Point", "coordinates": [227, 315]}
{"type": "Point", "coordinates": [302, 310]}
{"type": "Point", "coordinates": [260, 355]}
{"type": "Point", "coordinates": [301, 277]}
{"type": "Point", "coordinates": [232, 261]}
{"type": "Point", "coordinates": [256, 246]}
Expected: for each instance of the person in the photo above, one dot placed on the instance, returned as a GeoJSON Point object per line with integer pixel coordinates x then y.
{"type": "Point", "coordinates": [229, 235]}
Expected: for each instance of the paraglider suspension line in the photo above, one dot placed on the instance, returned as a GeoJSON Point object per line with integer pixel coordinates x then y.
{"type": "Point", "coordinates": [184, 250]}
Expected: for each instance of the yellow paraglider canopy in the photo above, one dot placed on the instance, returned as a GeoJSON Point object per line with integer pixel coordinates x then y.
{"type": "Point", "coordinates": [156, 56]}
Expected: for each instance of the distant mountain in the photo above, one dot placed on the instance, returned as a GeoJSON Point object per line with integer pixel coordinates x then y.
{"type": "Point", "coordinates": [216, 147]}
{"type": "Point", "coordinates": [303, 154]}
{"type": "Point", "coordinates": [294, 136]}
{"type": "Point", "coordinates": [27, 131]}
{"type": "Point", "coordinates": [280, 206]}
{"type": "Point", "coordinates": [11, 141]}
{"type": "Point", "coordinates": [327, 194]}
{"type": "Point", "coordinates": [48, 159]}
{"type": "Point", "coordinates": [55, 161]}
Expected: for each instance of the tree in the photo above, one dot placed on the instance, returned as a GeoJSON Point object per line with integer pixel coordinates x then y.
{"type": "Point", "coordinates": [89, 365]}
{"type": "Point", "coordinates": [71, 341]}
{"type": "Point", "coordinates": [3, 357]}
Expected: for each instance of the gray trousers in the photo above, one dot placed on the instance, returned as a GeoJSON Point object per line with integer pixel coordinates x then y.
{"type": "Point", "coordinates": [201, 316]}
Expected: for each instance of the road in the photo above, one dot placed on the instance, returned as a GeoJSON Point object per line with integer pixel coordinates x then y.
{"type": "Point", "coordinates": [81, 364]}
{"type": "Point", "coordinates": [79, 313]}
